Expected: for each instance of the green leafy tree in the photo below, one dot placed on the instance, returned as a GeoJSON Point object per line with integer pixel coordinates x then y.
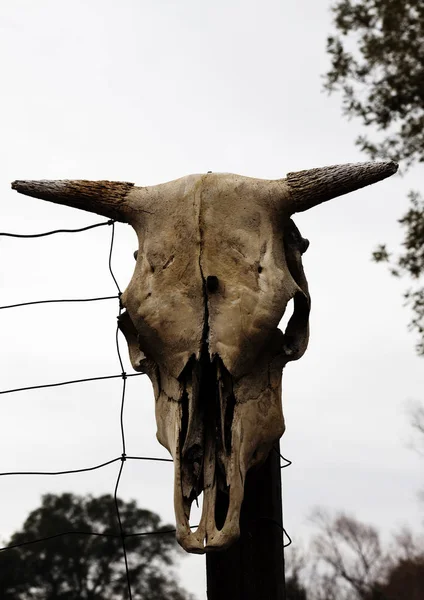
{"type": "Point", "coordinates": [377, 64]}
{"type": "Point", "coordinates": [89, 567]}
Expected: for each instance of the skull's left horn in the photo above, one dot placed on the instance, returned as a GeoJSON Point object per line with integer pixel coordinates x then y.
{"type": "Point", "coordinates": [314, 186]}
{"type": "Point", "coordinates": [107, 198]}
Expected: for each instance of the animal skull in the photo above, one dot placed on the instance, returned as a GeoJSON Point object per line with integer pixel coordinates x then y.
{"type": "Point", "coordinates": [219, 259]}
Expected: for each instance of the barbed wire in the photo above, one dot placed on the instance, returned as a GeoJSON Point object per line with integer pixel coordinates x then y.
{"type": "Point", "coordinates": [124, 376]}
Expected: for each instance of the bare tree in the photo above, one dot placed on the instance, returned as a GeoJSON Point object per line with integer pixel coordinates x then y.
{"type": "Point", "coordinates": [295, 566]}
{"type": "Point", "coordinates": [346, 561]}
{"type": "Point", "coordinates": [349, 560]}
{"type": "Point", "coordinates": [408, 546]}
{"type": "Point", "coordinates": [416, 415]}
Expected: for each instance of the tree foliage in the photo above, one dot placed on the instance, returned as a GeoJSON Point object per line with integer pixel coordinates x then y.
{"type": "Point", "coordinates": [404, 582]}
{"type": "Point", "coordinates": [294, 589]}
{"type": "Point", "coordinates": [377, 64]}
{"type": "Point", "coordinates": [89, 567]}
{"type": "Point", "coordinates": [410, 262]}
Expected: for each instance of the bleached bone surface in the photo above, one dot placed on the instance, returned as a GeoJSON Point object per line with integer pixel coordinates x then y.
{"type": "Point", "coordinates": [219, 259]}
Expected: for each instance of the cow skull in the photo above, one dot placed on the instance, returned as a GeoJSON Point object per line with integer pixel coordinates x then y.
{"type": "Point", "coordinates": [219, 259]}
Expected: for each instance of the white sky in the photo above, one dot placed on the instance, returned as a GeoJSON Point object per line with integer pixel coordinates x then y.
{"type": "Point", "coordinates": [147, 92]}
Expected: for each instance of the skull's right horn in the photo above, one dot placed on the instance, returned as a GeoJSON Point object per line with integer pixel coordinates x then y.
{"type": "Point", "coordinates": [314, 186]}
{"type": "Point", "coordinates": [111, 199]}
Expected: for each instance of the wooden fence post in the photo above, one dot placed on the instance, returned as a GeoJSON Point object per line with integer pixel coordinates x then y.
{"type": "Point", "coordinates": [253, 568]}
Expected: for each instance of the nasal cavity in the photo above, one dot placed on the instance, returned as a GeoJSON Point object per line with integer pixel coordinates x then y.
{"type": "Point", "coordinates": [212, 283]}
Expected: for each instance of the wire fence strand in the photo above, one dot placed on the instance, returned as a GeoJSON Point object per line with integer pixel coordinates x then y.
{"type": "Point", "coordinates": [123, 458]}
{"type": "Point", "coordinates": [59, 383]}
{"type": "Point", "coordinates": [85, 469]}
{"type": "Point", "coordinates": [121, 420]}
{"type": "Point", "coordinates": [58, 301]}
{"type": "Point", "coordinates": [54, 231]}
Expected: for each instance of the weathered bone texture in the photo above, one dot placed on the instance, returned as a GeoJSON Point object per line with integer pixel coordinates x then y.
{"type": "Point", "coordinates": [309, 188]}
{"type": "Point", "coordinates": [87, 195]}
{"type": "Point", "coordinates": [219, 259]}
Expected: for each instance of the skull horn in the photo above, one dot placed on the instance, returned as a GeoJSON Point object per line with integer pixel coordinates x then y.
{"type": "Point", "coordinates": [107, 198]}
{"type": "Point", "coordinates": [314, 186]}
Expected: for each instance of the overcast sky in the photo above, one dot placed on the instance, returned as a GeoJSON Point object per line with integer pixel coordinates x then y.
{"type": "Point", "coordinates": [148, 91]}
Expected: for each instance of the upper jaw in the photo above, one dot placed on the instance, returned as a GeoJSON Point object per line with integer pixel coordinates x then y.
{"type": "Point", "coordinates": [208, 536]}
{"type": "Point", "coordinates": [227, 457]}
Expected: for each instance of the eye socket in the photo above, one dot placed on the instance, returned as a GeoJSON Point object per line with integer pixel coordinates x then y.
{"type": "Point", "coordinates": [259, 269]}
{"type": "Point", "coordinates": [135, 254]}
